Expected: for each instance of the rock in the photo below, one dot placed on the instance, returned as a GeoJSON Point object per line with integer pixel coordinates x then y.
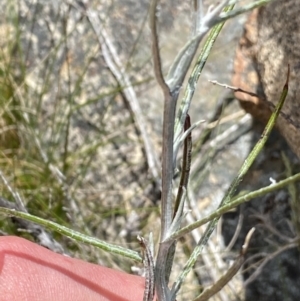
{"type": "Point", "coordinates": [270, 42]}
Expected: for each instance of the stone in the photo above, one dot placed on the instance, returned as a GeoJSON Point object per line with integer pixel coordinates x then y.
{"type": "Point", "coordinates": [270, 42]}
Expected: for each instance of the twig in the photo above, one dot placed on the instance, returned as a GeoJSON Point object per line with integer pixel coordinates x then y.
{"type": "Point", "coordinates": [209, 292]}
{"type": "Point", "coordinates": [114, 64]}
{"type": "Point", "coordinates": [15, 195]}
{"type": "Point", "coordinates": [44, 238]}
{"type": "Point", "coordinates": [168, 128]}
{"type": "Point", "coordinates": [185, 57]}
{"type": "Point", "coordinates": [229, 15]}
{"type": "Point", "coordinates": [186, 164]}
{"type": "Point", "coordinates": [155, 51]}
{"type": "Point", "coordinates": [294, 194]}
{"type": "Point", "coordinates": [235, 89]}
{"type": "Point", "coordinates": [149, 268]}
{"type": "Point", "coordinates": [196, 72]}
{"type": "Point", "coordinates": [161, 264]}
{"type": "Point", "coordinates": [236, 233]}
{"type": "Point", "coordinates": [181, 194]}
{"type": "Point", "coordinates": [175, 78]}
{"type": "Point", "coordinates": [229, 194]}
{"type": "Point", "coordinates": [234, 203]}
{"type": "Point", "coordinates": [213, 261]}
{"type": "Point", "coordinates": [269, 103]}
{"type": "Point", "coordinates": [268, 259]}
{"type": "Point", "coordinates": [72, 234]}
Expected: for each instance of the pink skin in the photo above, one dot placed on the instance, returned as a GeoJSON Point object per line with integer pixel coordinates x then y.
{"type": "Point", "coordinates": [31, 272]}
